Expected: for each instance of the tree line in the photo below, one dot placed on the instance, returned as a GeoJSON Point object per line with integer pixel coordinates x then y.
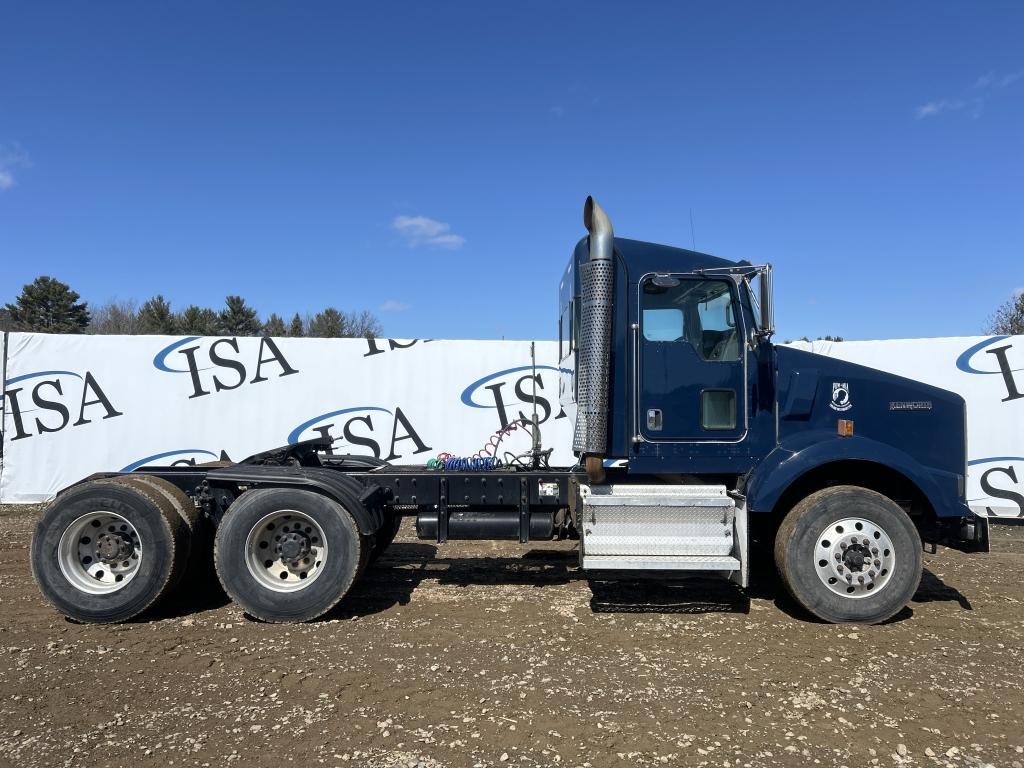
{"type": "Point", "coordinates": [47, 305]}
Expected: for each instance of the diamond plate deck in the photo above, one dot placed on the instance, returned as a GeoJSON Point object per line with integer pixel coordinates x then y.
{"type": "Point", "coordinates": [640, 521]}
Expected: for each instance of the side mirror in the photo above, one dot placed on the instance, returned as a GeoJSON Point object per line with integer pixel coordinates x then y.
{"type": "Point", "coordinates": [765, 300]}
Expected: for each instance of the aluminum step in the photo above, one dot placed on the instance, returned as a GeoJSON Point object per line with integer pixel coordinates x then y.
{"type": "Point", "coordinates": [644, 521]}
{"type": "Point", "coordinates": [660, 563]}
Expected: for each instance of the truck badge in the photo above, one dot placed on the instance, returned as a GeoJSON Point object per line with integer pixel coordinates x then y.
{"type": "Point", "coordinates": [840, 396]}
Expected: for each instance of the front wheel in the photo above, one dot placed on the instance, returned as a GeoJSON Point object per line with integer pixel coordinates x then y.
{"type": "Point", "coordinates": [848, 554]}
{"type": "Point", "coordinates": [287, 555]}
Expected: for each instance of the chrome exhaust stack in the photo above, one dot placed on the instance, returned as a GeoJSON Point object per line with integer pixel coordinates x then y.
{"type": "Point", "coordinates": [590, 440]}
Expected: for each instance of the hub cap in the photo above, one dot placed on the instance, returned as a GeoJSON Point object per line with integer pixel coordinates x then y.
{"type": "Point", "coordinates": [854, 557]}
{"type": "Point", "coordinates": [100, 552]}
{"type": "Point", "coordinates": [286, 551]}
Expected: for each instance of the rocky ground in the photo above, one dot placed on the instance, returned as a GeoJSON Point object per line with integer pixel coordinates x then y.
{"type": "Point", "coordinates": [480, 654]}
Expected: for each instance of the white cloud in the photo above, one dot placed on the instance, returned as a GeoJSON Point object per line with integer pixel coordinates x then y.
{"type": "Point", "coordinates": [422, 230]}
{"type": "Point", "coordinates": [933, 108]}
{"type": "Point", "coordinates": [12, 156]}
{"type": "Point", "coordinates": [393, 305]}
{"type": "Point", "coordinates": [1010, 79]}
{"type": "Point", "coordinates": [985, 80]}
{"type": "Point", "coordinates": [984, 88]}
{"type": "Point", "coordinates": [557, 110]}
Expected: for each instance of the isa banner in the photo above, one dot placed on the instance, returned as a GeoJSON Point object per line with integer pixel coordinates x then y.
{"type": "Point", "coordinates": [74, 405]}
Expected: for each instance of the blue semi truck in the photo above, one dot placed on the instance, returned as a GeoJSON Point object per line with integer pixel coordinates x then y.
{"type": "Point", "coordinates": [696, 437]}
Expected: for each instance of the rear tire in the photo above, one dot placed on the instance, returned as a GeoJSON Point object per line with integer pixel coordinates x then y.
{"type": "Point", "coordinates": [848, 554]}
{"type": "Point", "coordinates": [287, 555]}
{"type": "Point", "coordinates": [200, 556]}
{"type": "Point", "coordinates": [105, 551]}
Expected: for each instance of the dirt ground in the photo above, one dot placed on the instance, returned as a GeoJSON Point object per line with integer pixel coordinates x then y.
{"type": "Point", "coordinates": [482, 653]}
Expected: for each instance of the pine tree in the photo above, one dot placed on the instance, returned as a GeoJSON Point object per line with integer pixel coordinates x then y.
{"type": "Point", "coordinates": [198, 321]}
{"type": "Point", "coordinates": [239, 319]}
{"type": "Point", "coordinates": [274, 326]}
{"type": "Point", "coordinates": [47, 305]}
{"type": "Point", "coordinates": [329, 324]}
{"type": "Point", "coordinates": [296, 328]}
{"type": "Point", "coordinates": [156, 317]}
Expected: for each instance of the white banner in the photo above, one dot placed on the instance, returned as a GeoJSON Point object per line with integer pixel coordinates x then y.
{"type": "Point", "coordinates": [82, 404]}
{"type": "Point", "coordinates": [75, 405]}
{"type": "Point", "coordinates": [988, 372]}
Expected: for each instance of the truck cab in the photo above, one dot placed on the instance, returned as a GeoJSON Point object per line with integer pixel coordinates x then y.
{"type": "Point", "coordinates": [666, 355]}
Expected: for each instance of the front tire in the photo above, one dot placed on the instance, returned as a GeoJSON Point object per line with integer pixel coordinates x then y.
{"type": "Point", "coordinates": [287, 555]}
{"type": "Point", "coordinates": [849, 555]}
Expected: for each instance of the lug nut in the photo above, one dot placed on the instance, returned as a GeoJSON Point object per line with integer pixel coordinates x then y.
{"type": "Point", "coordinates": [877, 563]}
{"type": "Point", "coordinates": [842, 545]}
{"type": "Point", "coordinates": [860, 579]}
{"type": "Point", "coordinates": [874, 550]}
{"type": "Point", "coordinates": [838, 556]}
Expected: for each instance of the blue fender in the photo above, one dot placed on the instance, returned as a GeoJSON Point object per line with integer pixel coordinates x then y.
{"type": "Point", "coordinates": [799, 454]}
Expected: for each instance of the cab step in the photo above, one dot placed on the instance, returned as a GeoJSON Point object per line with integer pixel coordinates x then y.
{"type": "Point", "coordinates": [662, 527]}
{"type": "Point", "coordinates": [662, 563]}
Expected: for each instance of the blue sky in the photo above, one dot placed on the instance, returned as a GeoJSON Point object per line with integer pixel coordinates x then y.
{"type": "Point", "coordinates": [429, 161]}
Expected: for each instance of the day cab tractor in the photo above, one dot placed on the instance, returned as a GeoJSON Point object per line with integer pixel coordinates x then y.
{"type": "Point", "coordinates": [691, 430]}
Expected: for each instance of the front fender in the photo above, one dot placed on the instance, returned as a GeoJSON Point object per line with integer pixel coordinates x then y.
{"type": "Point", "coordinates": [796, 456]}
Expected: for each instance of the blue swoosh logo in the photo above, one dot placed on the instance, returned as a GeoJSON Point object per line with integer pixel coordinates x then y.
{"type": "Point", "coordinates": [964, 361]}
{"type": "Point", "coordinates": [37, 374]}
{"type": "Point", "coordinates": [293, 436]}
{"type": "Point", "coordinates": [467, 393]}
{"type": "Point", "coordinates": [150, 459]}
{"type": "Point", "coordinates": [160, 361]}
{"type": "Point", "coordinates": [995, 458]}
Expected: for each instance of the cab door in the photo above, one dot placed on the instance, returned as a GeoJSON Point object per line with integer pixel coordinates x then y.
{"type": "Point", "coordinates": [691, 360]}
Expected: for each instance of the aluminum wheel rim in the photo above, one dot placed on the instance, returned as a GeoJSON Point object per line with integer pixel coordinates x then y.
{"type": "Point", "coordinates": [854, 557]}
{"type": "Point", "coordinates": [286, 551]}
{"type": "Point", "coordinates": [100, 552]}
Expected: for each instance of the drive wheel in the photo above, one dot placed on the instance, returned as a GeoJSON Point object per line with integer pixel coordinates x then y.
{"type": "Point", "coordinates": [287, 555]}
{"type": "Point", "coordinates": [105, 551]}
{"type": "Point", "coordinates": [848, 554]}
{"type": "Point", "coordinates": [200, 554]}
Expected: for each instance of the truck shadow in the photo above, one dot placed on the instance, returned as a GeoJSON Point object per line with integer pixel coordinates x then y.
{"type": "Point", "coordinates": [407, 566]}
{"type": "Point", "coordinates": [680, 595]}
{"type": "Point", "coordinates": [933, 589]}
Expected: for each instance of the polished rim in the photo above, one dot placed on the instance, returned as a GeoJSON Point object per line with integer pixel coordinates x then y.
{"type": "Point", "coordinates": [854, 557]}
{"type": "Point", "coordinates": [286, 551]}
{"type": "Point", "coordinates": [100, 552]}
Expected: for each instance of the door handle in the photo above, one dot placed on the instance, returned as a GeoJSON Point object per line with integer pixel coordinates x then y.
{"type": "Point", "coordinates": [654, 420]}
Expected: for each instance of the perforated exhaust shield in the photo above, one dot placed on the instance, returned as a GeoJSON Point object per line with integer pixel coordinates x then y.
{"type": "Point", "coordinates": [594, 357]}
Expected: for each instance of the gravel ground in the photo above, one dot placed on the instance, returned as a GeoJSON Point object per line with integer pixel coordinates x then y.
{"type": "Point", "coordinates": [484, 653]}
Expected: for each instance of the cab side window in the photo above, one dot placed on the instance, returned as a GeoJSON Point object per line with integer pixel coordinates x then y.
{"type": "Point", "coordinates": [695, 311]}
